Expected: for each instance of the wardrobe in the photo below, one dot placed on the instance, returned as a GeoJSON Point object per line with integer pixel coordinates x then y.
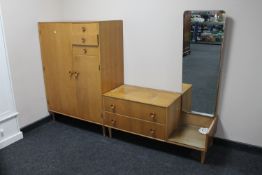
{"type": "Point", "coordinates": [81, 61]}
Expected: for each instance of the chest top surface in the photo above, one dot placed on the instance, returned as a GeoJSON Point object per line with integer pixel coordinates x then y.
{"type": "Point", "coordinates": [144, 95]}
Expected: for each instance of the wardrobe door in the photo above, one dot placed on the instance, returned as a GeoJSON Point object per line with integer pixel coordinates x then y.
{"type": "Point", "coordinates": [65, 68]}
{"type": "Point", "coordinates": [57, 59]}
{"type": "Point", "coordinates": [88, 85]}
{"type": "Point", "coordinates": [48, 40]}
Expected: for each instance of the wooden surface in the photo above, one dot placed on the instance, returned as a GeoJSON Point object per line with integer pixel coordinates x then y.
{"type": "Point", "coordinates": [57, 61]}
{"type": "Point", "coordinates": [89, 40]}
{"type": "Point", "coordinates": [187, 32]}
{"type": "Point", "coordinates": [50, 63]}
{"type": "Point", "coordinates": [112, 62]}
{"type": "Point", "coordinates": [144, 95]}
{"type": "Point", "coordinates": [136, 110]}
{"type": "Point", "coordinates": [186, 97]}
{"type": "Point", "coordinates": [196, 120]}
{"type": "Point", "coordinates": [133, 125]}
{"type": "Point", "coordinates": [85, 28]}
{"type": "Point", "coordinates": [173, 117]}
{"type": "Point", "coordinates": [86, 51]}
{"type": "Point", "coordinates": [88, 87]}
{"type": "Point", "coordinates": [188, 136]}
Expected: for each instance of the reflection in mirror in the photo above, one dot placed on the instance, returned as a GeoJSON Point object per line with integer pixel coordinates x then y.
{"type": "Point", "coordinates": [203, 41]}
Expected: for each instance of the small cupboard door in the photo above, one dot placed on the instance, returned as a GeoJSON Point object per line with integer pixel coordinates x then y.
{"type": "Point", "coordinates": [57, 59]}
{"type": "Point", "coordinates": [86, 64]}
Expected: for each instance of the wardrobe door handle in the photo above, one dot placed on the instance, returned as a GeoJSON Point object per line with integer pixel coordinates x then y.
{"type": "Point", "coordinates": [85, 51]}
{"type": "Point", "coordinates": [76, 74]}
{"type": "Point", "coordinates": [70, 74]}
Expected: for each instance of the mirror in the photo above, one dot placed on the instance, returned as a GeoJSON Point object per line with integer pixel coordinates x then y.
{"type": "Point", "coordinates": [202, 46]}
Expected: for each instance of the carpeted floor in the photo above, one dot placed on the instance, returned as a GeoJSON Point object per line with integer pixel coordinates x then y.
{"type": "Point", "coordinates": [200, 69]}
{"type": "Point", "coordinates": [57, 148]}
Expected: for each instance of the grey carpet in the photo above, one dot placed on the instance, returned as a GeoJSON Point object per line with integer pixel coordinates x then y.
{"type": "Point", "coordinates": [200, 69]}
{"type": "Point", "coordinates": [57, 148]}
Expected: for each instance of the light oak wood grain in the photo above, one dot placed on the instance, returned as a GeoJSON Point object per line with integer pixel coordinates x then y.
{"type": "Point", "coordinates": [112, 54]}
{"type": "Point", "coordinates": [85, 28]}
{"type": "Point", "coordinates": [144, 95]}
{"type": "Point", "coordinates": [135, 109]}
{"type": "Point", "coordinates": [57, 61]}
{"type": "Point", "coordinates": [186, 97]}
{"type": "Point", "coordinates": [85, 40]}
{"type": "Point", "coordinates": [133, 125]}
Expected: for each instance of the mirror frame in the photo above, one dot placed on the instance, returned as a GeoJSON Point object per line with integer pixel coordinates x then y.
{"type": "Point", "coordinates": [221, 59]}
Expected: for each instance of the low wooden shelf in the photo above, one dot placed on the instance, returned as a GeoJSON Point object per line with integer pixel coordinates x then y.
{"type": "Point", "coordinates": [188, 136]}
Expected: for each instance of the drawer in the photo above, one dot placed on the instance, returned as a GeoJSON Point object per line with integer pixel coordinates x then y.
{"type": "Point", "coordinates": [85, 29]}
{"type": "Point", "coordinates": [85, 40]}
{"type": "Point", "coordinates": [83, 50]}
{"type": "Point", "coordinates": [133, 125]}
{"type": "Point", "coordinates": [136, 110]}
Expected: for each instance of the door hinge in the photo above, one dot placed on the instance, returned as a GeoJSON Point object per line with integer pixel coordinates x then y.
{"type": "Point", "coordinates": [99, 67]}
{"type": "Point", "coordinates": [43, 68]}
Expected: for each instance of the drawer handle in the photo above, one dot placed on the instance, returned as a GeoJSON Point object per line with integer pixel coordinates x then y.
{"type": "Point", "coordinates": [113, 122]}
{"type": "Point", "coordinates": [83, 29]}
{"type": "Point", "coordinates": [153, 116]}
{"type": "Point", "coordinates": [83, 40]}
{"type": "Point", "coordinates": [113, 107]}
{"type": "Point", "coordinates": [85, 51]}
{"type": "Point", "coordinates": [153, 132]}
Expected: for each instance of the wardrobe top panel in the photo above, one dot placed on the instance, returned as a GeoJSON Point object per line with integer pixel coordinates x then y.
{"type": "Point", "coordinates": [144, 95]}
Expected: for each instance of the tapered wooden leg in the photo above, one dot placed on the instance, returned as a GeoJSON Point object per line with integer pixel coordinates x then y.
{"type": "Point", "coordinates": [203, 157]}
{"type": "Point", "coordinates": [211, 141]}
{"type": "Point", "coordinates": [110, 132]}
{"type": "Point", "coordinates": [104, 131]}
{"type": "Point", "coordinates": [52, 115]}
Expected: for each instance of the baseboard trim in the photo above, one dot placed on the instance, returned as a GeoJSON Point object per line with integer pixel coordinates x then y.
{"type": "Point", "coordinates": [81, 124]}
{"type": "Point", "coordinates": [10, 140]}
{"type": "Point", "coordinates": [36, 124]}
{"type": "Point", "coordinates": [238, 145]}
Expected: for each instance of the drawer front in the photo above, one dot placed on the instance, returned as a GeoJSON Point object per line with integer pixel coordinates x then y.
{"type": "Point", "coordinates": [133, 125]}
{"type": "Point", "coordinates": [85, 29]}
{"type": "Point", "coordinates": [85, 51]}
{"type": "Point", "coordinates": [136, 110]}
{"type": "Point", "coordinates": [85, 40]}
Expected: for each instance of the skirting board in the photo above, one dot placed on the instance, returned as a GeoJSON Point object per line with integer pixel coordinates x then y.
{"type": "Point", "coordinates": [10, 140]}
{"type": "Point", "coordinates": [10, 132]}
{"type": "Point", "coordinates": [96, 128]}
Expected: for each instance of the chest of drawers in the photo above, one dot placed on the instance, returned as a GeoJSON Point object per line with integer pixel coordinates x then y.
{"type": "Point", "coordinates": [142, 111]}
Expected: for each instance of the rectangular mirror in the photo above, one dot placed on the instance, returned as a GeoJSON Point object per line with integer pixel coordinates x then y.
{"type": "Point", "coordinates": [202, 47]}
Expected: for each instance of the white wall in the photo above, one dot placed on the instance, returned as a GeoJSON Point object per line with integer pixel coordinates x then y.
{"type": "Point", "coordinates": [20, 22]}
{"type": "Point", "coordinates": [153, 52]}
